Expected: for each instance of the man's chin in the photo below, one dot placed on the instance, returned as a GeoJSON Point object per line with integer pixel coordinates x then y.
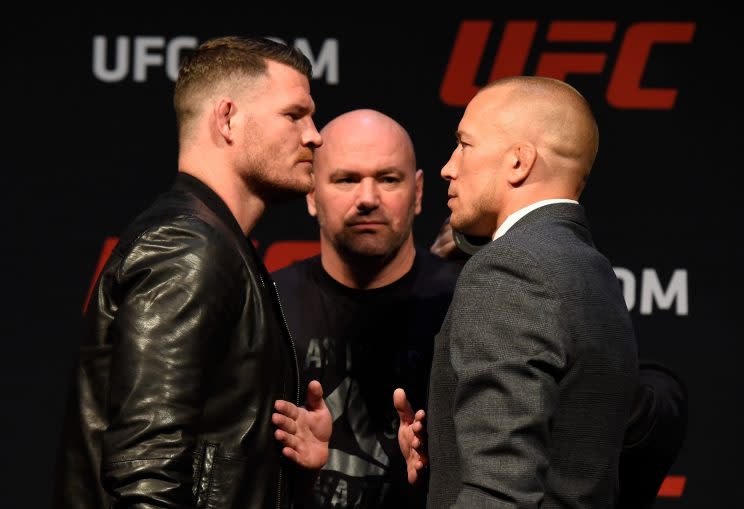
{"type": "Point", "coordinates": [368, 251]}
{"type": "Point", "coordinates": [284, 191]}
{"type": "Point", "coordinates": [372, 248]}
{"type": "Point", "coordinates": [458, 223]}
{"type": "Point", "coordinates": [468, 227]}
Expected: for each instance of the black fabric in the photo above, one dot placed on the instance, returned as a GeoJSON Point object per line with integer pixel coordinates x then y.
{"type": "Point", "coordinates": [361, 345]}
{"type": "Point", "coordinates": [654, 437]}
{"type": "Point", "coordinates": [185, 354]}
{"type": "Point", "coordinates": [189, 184]}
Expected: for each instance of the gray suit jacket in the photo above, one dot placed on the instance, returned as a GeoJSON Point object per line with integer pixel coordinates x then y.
{"type": "Point", "coordinates": [533, 374]}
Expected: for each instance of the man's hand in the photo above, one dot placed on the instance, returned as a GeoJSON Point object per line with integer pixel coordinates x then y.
{"type": "Point", "coordinates": [411, 435]}
{"type": "Point", "coordinates": [304, 431]}
{"type": "Point", "coordinates": [444, 245]}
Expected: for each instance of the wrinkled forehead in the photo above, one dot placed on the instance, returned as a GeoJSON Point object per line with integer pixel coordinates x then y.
{"type": "Point", "coordinates": [362, 158]}
{"type": "Point", "coordinates": [365, 148]}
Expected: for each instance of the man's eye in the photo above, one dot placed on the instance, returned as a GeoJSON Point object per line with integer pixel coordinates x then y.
{"type": "Point", "coordinates": [390, 180]}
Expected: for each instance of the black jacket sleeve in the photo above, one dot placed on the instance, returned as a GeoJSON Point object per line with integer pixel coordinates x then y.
{"type": "Point", "coordinates": [172, 290]}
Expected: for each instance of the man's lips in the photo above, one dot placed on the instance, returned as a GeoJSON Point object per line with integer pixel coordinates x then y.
{"type": "Point", "coordinates": [361, 225]}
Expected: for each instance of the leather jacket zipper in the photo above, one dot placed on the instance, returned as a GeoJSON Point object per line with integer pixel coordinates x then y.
{"type": "Point", "coordinates": [291, 343]}
{"type": "Point", "coordinates": [297, 378]}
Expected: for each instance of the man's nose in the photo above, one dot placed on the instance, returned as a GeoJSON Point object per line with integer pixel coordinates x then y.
{"type": "Point", "coordinates": [368, 194]}
{"type": "Point", "coordinates": [310, 135]}
{"type": "Point", "coordinates": [448, 170]}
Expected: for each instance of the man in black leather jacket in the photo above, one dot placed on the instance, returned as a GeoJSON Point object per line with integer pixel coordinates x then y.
{"type": "Point", "coordinates": [187, 388]}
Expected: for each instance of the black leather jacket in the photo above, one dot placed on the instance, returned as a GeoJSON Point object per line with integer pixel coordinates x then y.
{"type": "Point", "coordinates": [185, 354]}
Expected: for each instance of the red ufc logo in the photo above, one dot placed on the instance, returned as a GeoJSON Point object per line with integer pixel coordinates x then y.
{"type": "Point", "coordinates": [624, 90]}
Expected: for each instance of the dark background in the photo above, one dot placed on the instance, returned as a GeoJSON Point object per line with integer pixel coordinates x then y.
{"type": "Point", "coordinates": [83, 156]}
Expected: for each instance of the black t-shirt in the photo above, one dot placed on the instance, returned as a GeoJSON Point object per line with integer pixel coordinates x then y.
{"type": "Point", "coordinates": [361, 345]}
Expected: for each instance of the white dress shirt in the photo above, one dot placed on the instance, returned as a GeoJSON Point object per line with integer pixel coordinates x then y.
{"type": "Point", "coordinates": [516, 216]}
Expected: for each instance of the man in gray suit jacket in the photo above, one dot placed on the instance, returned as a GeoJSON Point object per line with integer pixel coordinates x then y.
{"type": "Point", "coordinates": [535, 367]}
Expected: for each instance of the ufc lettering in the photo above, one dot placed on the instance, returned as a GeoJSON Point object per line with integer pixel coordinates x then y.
{"type": "Point", "coordinates": [624, 90]}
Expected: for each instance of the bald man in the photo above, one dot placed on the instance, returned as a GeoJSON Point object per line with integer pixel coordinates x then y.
{"type": "Point", "coordinates": [535, 367]}
{"type": "Point", "coordinates": [364, 313]}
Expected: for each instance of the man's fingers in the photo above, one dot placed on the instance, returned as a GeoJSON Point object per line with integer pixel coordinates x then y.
{"type": "Point", "coordinates": [287, 439]}
{"type": "Point", "coordinates": [401, 404]}
{"type": "Point", "coordinates": [291, 454]}
{"type": "Point", "coordinates": [284, 423]}
{"type": "Point", "coordinates": [314, 395]}
{"type": "Point", "coordinates": [412, 476]}
{"type": "Point", "coordinates": [443, 248]}
{"type": "Point", "coordinates": [417, 427]}
{"type": "Point", "coordinates": [444, 244]}
{"type": "Point", "coordinates": [286, 408]}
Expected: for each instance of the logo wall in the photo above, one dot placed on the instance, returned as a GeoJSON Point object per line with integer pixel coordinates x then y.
{"type": "Point", "coordinates": [518, 43]}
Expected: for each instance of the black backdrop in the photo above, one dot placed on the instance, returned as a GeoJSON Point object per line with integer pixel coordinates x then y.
{"type": "Point", "coordinates": [89, 143]}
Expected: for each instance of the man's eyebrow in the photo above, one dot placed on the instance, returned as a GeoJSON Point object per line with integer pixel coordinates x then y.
{"type": "Point", "coordinates": [460, 134]}
{"type": "Point", "coordinates": [301, 108]}
{"type": "Point", "coordinates": [388, 171]}
{"type": "Point", "coordinates": [343, 172]}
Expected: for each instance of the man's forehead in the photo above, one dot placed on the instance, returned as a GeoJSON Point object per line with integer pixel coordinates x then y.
{"type": "Point", "coordinates": [484, 110]}
{"type": "Point", "coordinates": [292, 97]}
{"type": "Point", "coordinates": [355, 154]}
{"type": "Point", "coordinates": [336, 161]}
{"type": "Point", "coordinates": [285, 76]}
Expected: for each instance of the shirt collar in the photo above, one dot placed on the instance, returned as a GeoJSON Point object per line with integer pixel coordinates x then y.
{"type": "Point", "coordinates": [516, 216]}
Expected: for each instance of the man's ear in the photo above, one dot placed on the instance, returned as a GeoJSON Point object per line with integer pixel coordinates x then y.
{"type": "Point", "coordinates": [524, 155]}
{"type": "Point", "coordinates": [419, 191]}
{"type": "Point", "coordinates": [224, 110]}
{"type": "Point", "coordinates": [310, 197]}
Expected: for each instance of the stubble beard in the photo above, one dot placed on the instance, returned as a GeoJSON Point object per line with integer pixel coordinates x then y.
{"type": "Point", "coordinates": [475, 221]}
{"type": "Point", "coordinates": [269, 181]}
{"type": "Point", "coordinates": [274, 185]}
{"type": "Point", "coordinates": [371, 248]}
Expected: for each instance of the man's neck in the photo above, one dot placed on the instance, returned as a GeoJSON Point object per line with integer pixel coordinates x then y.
{"type": "Point", "coordinates": [243, 204]}
{"type": "Point", "coordinates": [367, 272]}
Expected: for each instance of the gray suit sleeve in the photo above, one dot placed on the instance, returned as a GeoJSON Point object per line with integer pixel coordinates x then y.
{"type": "Point", "coordinates": [508, 350]}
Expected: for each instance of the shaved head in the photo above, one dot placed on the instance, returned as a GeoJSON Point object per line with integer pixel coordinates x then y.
{"type": "Point", "coordinates": [367, 193]}
{"type": "Point", "coordinates": [364, 131]}
{"type": "Point", "coordinates": [547, 112]}
{"type": "Point", "coordinates": [521, 140]}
